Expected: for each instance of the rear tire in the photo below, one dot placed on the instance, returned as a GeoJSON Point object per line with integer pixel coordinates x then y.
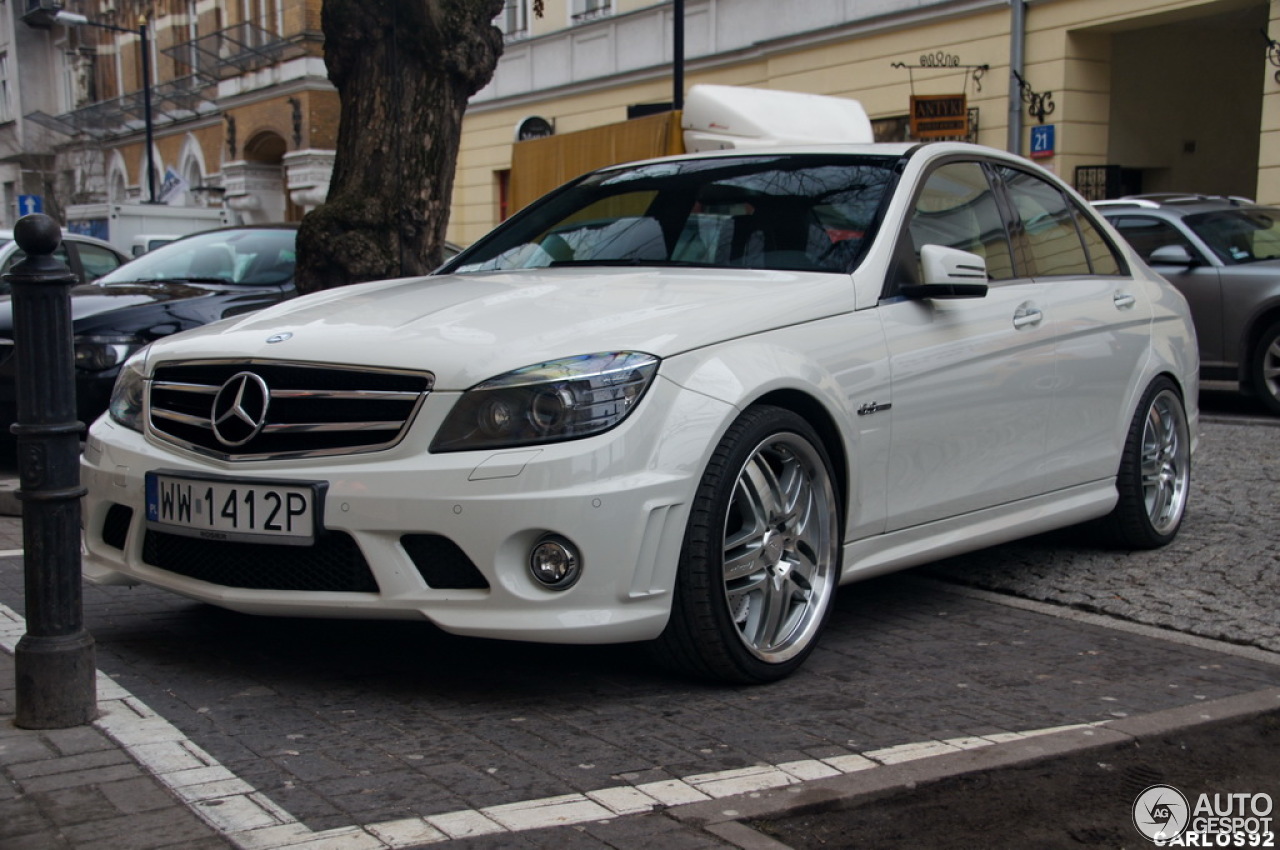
{"type": "Point", "coordinates": [1264, 369]}
{"type": "Point", "coordinates": [761, 555]}
{"type": "Point", "coordinates": [1155, 472]}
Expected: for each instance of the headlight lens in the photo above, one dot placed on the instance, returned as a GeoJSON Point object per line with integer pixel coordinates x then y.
{"type": "Point", "coordinates": [97, 353]}
{"type": "Point", "coordinates": [127, 394]}
{"type": "Point", "coordinates": [549, 402]}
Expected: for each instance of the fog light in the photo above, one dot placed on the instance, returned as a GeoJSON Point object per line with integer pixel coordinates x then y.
{"type": "Point", "coordinates": [555, 563]}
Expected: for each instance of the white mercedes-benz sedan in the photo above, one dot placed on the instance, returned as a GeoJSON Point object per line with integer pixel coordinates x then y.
{"type": "Point", "coordinates": [677, 401]}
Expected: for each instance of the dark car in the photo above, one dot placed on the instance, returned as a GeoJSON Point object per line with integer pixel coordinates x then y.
{"type": "Point", "coordinates": [1223, 254]}
{"type": "Point", "coordinates": [191, 282]}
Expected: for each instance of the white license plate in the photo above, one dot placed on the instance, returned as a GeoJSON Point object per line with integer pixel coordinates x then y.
{"type": "Point", "coordinates": [233, 509]}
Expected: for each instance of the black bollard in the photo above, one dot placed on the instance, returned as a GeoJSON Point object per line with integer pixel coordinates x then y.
{"type": "Point", "coordinates": [55, 682]}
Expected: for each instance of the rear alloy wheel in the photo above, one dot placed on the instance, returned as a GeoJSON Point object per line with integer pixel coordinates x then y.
{"type": "Point", "coordinates": [1265, 368]}
{"type": "Point", "coordinates": [1155, 472]}
{"type": "Point", "coordinates": [761, 556]}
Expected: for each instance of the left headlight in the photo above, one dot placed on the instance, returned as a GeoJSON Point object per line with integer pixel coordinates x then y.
{"type": "Point", "coordinates": [99, 352]}
{"type": "Point", "coordinates": [548, 402]}
{"type": "Point", "coordinates": [127, 394]}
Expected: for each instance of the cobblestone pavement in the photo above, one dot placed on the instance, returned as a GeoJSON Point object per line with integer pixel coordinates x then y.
{"type": "Point", "coordinates": [346, 725]}
{"type": "Point", "coordinates": [1219, 579]}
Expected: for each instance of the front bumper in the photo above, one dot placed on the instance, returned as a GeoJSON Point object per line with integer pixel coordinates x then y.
{"type": "Point", "coordinates": [622, 498]}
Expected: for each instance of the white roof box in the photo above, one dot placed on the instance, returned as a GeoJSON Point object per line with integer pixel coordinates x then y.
{"type": "Point", "coordinates": [727, 117]}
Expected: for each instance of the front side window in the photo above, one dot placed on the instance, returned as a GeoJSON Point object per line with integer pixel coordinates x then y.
{"type": "Point", "coordinates": [1240, 235]}
{"type": "Point", "coordinates": [1146, 233]}
{"type": "Point", "coordinates": [797, 212]}
{"type": "Point", "coordinates": [957, 208]}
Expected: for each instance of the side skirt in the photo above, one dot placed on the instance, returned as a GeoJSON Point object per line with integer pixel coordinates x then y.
{"type": "Point", "coordinates": [910, 547]}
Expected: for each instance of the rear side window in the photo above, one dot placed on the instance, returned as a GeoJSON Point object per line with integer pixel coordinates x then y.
{"type": "Point", "coordinates": [1101, 255]}
{"type": "Point", "coordinates": [1052, 240]}
{"type": "Point", "coordinates": [96, 261]}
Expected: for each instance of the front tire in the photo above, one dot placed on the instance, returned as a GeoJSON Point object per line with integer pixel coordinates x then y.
{"type": "Point", "coordinates": [761, 555]}
{"type": "Point", "coordinates": [1155, 472]}
{"type": "Point", "coordinates": [1265, 369]}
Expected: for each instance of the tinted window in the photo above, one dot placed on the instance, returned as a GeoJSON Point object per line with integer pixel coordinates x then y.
{"type": "Point", "coordinates": [96, 261]}
{"type": "Point", "coordinates": [957, 208]}
{"type": "Point", "coordinates": [1147, 233]}
{"type": "Point", "coordinates": [19, 255]}
{"type": "Point", "coordinates": [1052, 241]}
{"type": "Point", "coordinates": [809, 213]}
{"type": "Point", "coordinates": [248, 256]}
{"type": "Point", "coordinates": [1102, 255]}
{"type": "Point", "coordinates": [1240, 236]}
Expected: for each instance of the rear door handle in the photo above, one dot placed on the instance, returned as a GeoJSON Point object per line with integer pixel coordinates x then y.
{"type": "Point", "coordinates": [1124, 300]}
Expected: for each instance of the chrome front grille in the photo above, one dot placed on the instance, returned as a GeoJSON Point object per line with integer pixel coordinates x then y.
{"type": "Point", "coordinates": [253, 410]}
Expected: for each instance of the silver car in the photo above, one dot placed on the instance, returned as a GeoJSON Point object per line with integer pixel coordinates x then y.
{"type": "Point", "coordinates": [1224, 255]}
{"type": "Point", "coordinates": [86, 257]}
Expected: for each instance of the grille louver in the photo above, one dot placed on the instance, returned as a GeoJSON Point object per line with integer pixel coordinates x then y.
{"type": "Point", "coordinates": [312, 409]}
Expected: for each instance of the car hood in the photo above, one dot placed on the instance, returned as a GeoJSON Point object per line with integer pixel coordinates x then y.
{"type": "Point", "coordinates": [468, 328]}
{"type": "Point", "coordinates": [92, 300]}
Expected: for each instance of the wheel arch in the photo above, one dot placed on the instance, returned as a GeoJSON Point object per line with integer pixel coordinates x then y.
{"type": "Point", "coordinates": [820, 418]}
{"type": "Point", "coordinates": [1258, 325]}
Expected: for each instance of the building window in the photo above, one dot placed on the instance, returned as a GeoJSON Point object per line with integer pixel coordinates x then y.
{"type": "Point", "coordinates": [6, 111]}
{"type": "Point", "coordinates": [514, 20]}
{"type": "Point", "coordinates": [590, 10]}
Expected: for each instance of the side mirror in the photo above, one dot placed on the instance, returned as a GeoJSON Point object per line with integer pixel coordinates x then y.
{"type": "Point", "coordinates": [949, 273]}
{"type": "Point", "coordinates": [1171, 255]}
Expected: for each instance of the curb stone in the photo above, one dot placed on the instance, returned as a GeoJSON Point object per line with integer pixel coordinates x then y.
{"type": "Point", "coordinates": [726, 818]}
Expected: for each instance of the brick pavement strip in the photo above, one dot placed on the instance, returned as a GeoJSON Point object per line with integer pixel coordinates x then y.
{"type": "Point", "coordinates": [378, 734]}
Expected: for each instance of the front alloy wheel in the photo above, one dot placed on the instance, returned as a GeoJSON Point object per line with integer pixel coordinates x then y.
{"type": "Point", "coordinates": [1265, 369]}
{"type": "Point", "coordinates": [761, 556]}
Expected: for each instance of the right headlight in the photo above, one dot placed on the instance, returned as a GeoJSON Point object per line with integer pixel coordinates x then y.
{"type": "Point", "coordinates": [127, 394]}
{"type": "Point", "coordinates": [548, 402]}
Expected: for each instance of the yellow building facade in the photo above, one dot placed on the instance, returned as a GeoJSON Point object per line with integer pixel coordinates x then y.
{"type": "Point", "coordinates": [1132, 95]}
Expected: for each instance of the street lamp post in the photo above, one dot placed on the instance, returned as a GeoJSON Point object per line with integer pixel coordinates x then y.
{"type": "Point", "coordinates": [71, 19]}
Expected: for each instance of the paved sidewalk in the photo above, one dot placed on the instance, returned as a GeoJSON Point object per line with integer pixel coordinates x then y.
{"type": "Point", "coordinates": [78, 788]}
{"type": "Point", "coordinates": [222, 730]}
{"type": "Point", "coordinates": [84, 788]}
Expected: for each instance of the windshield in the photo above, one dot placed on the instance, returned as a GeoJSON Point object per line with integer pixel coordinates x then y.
{"type": "Point", "coordinates": [1240, 236]}
{"type": "Point", "coordinates": [248, 257]}
{"type": "Point", "coordinates": [806, 212]}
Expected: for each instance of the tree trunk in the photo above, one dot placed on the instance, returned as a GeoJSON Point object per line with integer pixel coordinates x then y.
{"type": "Point", "coordinates": [404, 70]}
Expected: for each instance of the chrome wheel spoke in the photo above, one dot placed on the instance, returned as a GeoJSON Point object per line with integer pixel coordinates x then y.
{"type": "Point", "coordinates": [780, 547]}
{"type": "Point", "coordinates": [1165, 462]}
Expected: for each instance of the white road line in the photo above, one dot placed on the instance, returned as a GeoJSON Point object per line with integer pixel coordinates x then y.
{"type": "Point", "coordinates": [251, 821]}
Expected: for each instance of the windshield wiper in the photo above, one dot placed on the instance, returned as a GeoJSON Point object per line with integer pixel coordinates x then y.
{"type": "Point", "coordinates": [634, 262]}
{"type": "Point", "coordinates": [147, 280]}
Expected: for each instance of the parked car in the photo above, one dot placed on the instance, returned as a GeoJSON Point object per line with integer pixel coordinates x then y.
{"type": "Point", "coordinates": [1223, 254]}
{"type": "Point", "coordinates": [677, 402]}
{"type": "Point", "coordinates": [88, 258]}
{"type": "Point", "coordinates": [187, 283]}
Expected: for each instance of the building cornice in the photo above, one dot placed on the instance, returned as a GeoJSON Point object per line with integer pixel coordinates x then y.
{"type": "Point", "coordinates": [755, 51]}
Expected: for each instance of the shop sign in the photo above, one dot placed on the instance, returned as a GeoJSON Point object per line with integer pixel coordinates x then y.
{"type": "Point", "coordinates": [534, 127]}
{"type": "Point", "coordinates": [936, 116]}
